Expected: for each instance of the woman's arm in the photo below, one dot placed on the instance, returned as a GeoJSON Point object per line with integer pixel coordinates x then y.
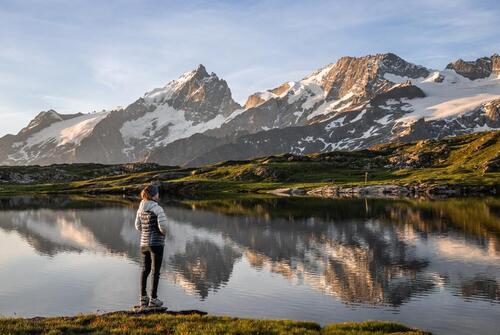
{"type": "Point", "coordinates": [162, 219]}
{"type": "Point", "coordinates": [138, 218]}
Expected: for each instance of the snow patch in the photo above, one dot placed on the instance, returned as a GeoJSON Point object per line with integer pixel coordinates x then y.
{"type": "Point", "coordinates": [359, 116]}
{"type": "Point", "coordinates": [235, 114]}
{"type": "Point", "coordinates": [384, 120]}
{"type": "Point", "coordinates": [147, 126]}
{"type": "Point", "coordinates": [328, 107]}
{"type": "Point", "coordinates": [70, 131]}
{"type": "Point", "coordinates": [391, 102]}
{"type": "Point", "coordinates": [455, 95]}
{"type": "Point", "coordinates": [318, 76]}
{"type": "Point", "coordinates": [484, 127]}
{"type": "Point", "coordinates": [432, 77]}
{"type": "Point", "coordinates": [369, 132]}
{"type": "Point", "coordinates": [335, 123]}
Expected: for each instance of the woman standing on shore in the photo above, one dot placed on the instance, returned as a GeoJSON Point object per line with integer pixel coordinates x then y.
{"type": "Point", "coordinates": [151, 222]}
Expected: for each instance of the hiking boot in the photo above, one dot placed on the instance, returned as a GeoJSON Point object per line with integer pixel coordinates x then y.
{"type": "Point", "coordinates": [155, 302]}
{"type": "Point", "coordinates": [144, 301]}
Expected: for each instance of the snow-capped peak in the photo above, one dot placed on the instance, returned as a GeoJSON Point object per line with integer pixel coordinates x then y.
{"type": "Point", "coordinates": [44, 119]}
{"type": "Point", "coordinates": [319, 75]}
{"type": "Point", "coordinates": [391, 63]}
{"type": "Point", "coordinates": [164, 93]}
{"type": "Point", "coordinates": [44, 115]}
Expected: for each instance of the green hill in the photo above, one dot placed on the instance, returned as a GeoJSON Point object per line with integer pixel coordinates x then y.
{"type": "Point", "coordinates": [469, 162]}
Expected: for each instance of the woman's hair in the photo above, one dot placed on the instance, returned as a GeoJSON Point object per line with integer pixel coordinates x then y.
{"type": "Point", "coordinates": [149, 192]}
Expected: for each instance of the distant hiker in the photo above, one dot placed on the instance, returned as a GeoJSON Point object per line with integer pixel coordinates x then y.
{"type": "Point", "coordinates": [152, 223]}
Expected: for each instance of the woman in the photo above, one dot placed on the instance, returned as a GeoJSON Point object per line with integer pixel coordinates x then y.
{"type": "Point", "coordinates": [152, 224]}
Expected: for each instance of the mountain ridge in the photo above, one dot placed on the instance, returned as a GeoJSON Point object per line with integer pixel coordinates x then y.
{"type": "Point", "coordinates": [350, 104]}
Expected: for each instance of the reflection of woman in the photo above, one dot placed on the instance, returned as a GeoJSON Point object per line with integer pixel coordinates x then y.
{"type": "Point", "coordinates": [152, 223]}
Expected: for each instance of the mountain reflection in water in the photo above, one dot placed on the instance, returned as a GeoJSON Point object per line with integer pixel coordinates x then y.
{"type": "Point", "coordinates": [376, 252]}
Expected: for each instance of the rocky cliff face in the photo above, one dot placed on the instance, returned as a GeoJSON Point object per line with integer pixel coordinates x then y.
{"type": "Point", "coordinates": [364, 76]}
{"type": "Point", "coordinates": [345, 85]}
{"type": "Point", "coordinates": [480, 68]}
{"type": "Point", "coordinates": [201, 96]}
{"type": "Point", "coordinates": [492, 110]}
{"type": "Point", "coordinates": [351, 104]}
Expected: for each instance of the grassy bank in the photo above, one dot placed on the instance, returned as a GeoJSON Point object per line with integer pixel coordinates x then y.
{"type": "Point", "coordinates": [122, 323]}
{"type": "Point", "coordinates": [464, 160]}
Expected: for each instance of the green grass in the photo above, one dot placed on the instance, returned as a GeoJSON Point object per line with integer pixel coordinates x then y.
{"type": "Point", "coordinates": [458, 160]}
{"type": "Point", "coordinates": [121, 323]}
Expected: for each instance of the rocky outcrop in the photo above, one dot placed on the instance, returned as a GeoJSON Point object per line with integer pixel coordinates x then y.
{"type": "Point", "coordinates": [480, 68]}
{"type": "Point", "coordinates": [254, 100]}
{"type": "Point", "coordinates": [201, 95]}
{"type": "Point", "coordinates": [399, 91]}
{"type": "Point", "coordinates": [495, 64]}
{"type": "Point", "coordinates": [364, 76]}
{"type": "Point", "coordinates": [493, 165]}
{"type": "Point", "coordinates": [492, 110]}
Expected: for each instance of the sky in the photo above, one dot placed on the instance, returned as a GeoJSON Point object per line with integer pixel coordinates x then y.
{"type": "Point", "coordinates": [85, 55]}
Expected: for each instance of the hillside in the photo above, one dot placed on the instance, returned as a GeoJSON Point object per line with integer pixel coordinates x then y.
{"type": "Point", "coordinates": [461, 165]}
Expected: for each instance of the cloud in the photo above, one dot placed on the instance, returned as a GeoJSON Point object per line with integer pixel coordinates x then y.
{"type": "Point", "coordinates": [103, 54]}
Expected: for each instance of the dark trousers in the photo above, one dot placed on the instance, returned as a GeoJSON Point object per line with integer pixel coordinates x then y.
{"type": "Point", "coordinates": [151, 257]}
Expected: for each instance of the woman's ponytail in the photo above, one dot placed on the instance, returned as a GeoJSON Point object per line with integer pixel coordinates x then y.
{"type": "Point", "coordinates": [149, 192]}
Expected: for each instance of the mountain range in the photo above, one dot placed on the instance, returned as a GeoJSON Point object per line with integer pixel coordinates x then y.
{"type": "Point", "coordinates": [353, 103]}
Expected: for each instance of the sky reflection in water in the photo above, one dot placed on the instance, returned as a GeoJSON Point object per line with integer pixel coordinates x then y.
{"type": "Point", "coordinates": [431, 264]}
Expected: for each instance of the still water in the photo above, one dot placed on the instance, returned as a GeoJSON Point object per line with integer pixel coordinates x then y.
{"type": "Point", "coordinates": [429, 264]}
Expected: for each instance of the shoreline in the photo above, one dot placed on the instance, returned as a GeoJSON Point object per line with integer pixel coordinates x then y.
{"type": "Point", "coordinates": [199, 189]}
{"type": "Point", "coordinates": [461, 166]}
{"type": "Point", "coordinates": [194, 190]}
{"type": "Point", "coordinates": [393, 191]}
{"type": "Point", "coordinates": [190, 322]}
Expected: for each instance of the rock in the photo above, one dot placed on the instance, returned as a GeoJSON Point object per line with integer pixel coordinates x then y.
{"type": "Point", "coordinates": [439, 78]}
{"type": "Point", "coordinates": [254, 100]}
{"type": "Point", "coordinates": [399, 91]}
{"type": "Point", "coordinates": [426, 153]}
{"type": "Point", "coordinates": [495, 64]}
{"type": "Point", "coordinates": [480, 68]}
{"type": "Point", "coordinates": [492, 110]}
{"type": "Point", "coordinates": [492, 165]}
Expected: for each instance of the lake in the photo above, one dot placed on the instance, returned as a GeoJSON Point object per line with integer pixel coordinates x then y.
{"type": "Point", "coordinates": [428, 264]}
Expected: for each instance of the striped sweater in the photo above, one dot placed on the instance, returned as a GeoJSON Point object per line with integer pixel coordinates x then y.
{"type": "Point", "coordinates": [152, 223]}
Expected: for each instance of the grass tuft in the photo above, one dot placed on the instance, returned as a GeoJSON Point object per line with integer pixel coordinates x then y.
{"type": "Point", "coordinates": [123, 323]}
